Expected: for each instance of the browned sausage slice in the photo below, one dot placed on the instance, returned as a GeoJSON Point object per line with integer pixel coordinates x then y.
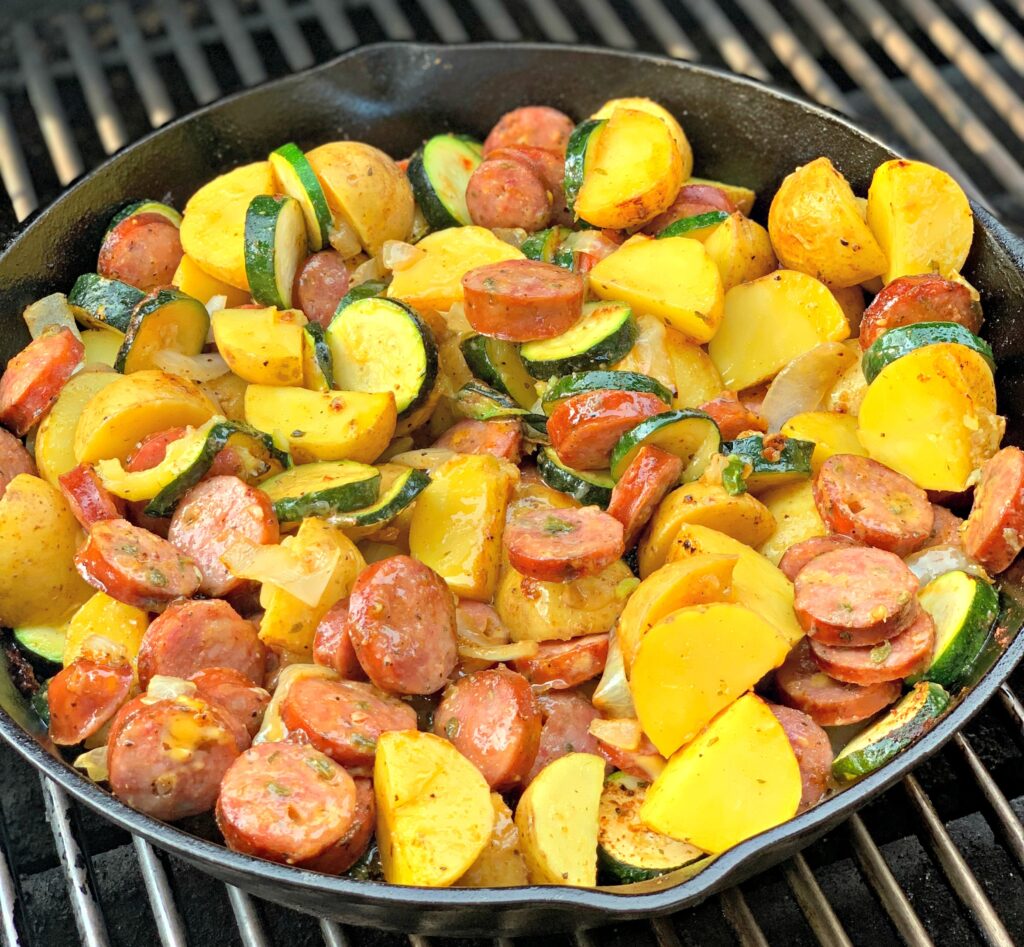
{"type": "Point", "coordinates": [493, 720]}
{"type": "Point", "coordinates": [167, 757]}
{"type": "Point", "coordinates": [34, 377]}
{"type": "Point", "coordinates": [520, 300]}
{"type": "Point", "coordinates": [994, 533]}
{"type": "Point", "coordinates": [567, 716]}
{"type": "Point", "coordinates": [865, 500]}
{"type": "Point", "coordinates": [536, 125]}
{"type": "Point", "coordinates": [946, 528]}
{"type": "Point", "coordinates": [344, 718]}
{"type": "Point", "coordinates": [565, 664]}
{"type": "Point", "coordinates": [143, 250]}
{"type": "Point", "coordinates": [89, 500]}
{"type": "Point", "coordinates": [503, 192]}
{"type": "Point", "coordinates": [320, 284]}
{"type": "Point", "coordinates": [14, 460]}
{"type": "Point", "coordinates": [500, 438]}
{"type": "Point", "coordinates": [925, 298]}
{"type": "Point", "coordinates": [910, 651]}
{"type": "Point", "coordinates": [235, 692]}
{"type": "Point", "coordinates": [585, 428]}
{"type": "Point", "coordinates": [801, 553]}
{"type": "Point", "coordinates": [649, 476]}
{"type": "Point", "coordinates": [83, 696]}
{"type": "Point", "coordinates": [332, 646]}
{"type": "Point", "coordinates": [358, 837]}
{"type": "Point", "coordinates": [211, 517]}
{"type": "Point", "coordinates": [290, 804]}
{"type": "Point", "coordinates": [636, 762]}
{"type": "Point", "coordinates": [560, 545]}
{"type": "Point", "coordinates": [135, 567]}
{"type": "Point", "coordinates": [732, 416]}
{"type": "Point", "coordinates": [855, 597]}
{"type": "Point", "coordinates": [190, 636]}
{"type": "Point", "coordinates": [812, 749]}
{"type": "Point", "coordinates": [402, 626]}
{"type": "Point", "coordinates": [830, 703]}
{"type": "Point", "coordinates": [549, 166]}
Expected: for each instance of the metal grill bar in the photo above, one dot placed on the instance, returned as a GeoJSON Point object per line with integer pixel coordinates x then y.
{"type": "Point", "coordinates": [147, 80]}
{"type": "Point", "coordinates": [606, 21]}
{"type": "Point", "coordinates": [1013, 831]}
{"type": "Point", "coordinates": [499, 22]}
{"type": "Point", "coordinates": [552, 21]}
{"type": "Point", "coordinates": [13, 167]}
{"type": "Point", "coordinates": [238, 42]}
{"type": "Point", "coordinates": [737, 54]}
{"type": "Point", "coordinates": [247, 918]}
{"type": "Point", "coordinates": [8, 902]}
{"type": "Point", "coordinates": [289, 37]}
{"type": "Point", "coordinates": [394, 21]}
{"type": "Point", "coordinates": [186, 48]}
{"type": "Point", "coordinates": [444, 19]}
{"type": "Point", "coordinates": [336, 24]}
{"type": "Point", "coordinates": [997, 30]}
{"type": "Point", "coordinates": [165, 911]}
{"type": "Point", "coordinates": [815, 906]}
{"type": "Point", "coordinates": [665, 26]}
{"type": "Point", "coordinates": [737, 912]}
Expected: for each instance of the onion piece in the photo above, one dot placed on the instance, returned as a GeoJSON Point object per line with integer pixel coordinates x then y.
{"type": "Point", "coordinates": [343, 239]}
{"type": "Point", "coordinates": [163, 687]}
{"type": "Point", "coordinates": [397, 255]}
{"type": "Point", "coordinates": [52, 310]}
{"type": "Point", "coordinates": [278, 566]}
{"type": "Point", "coordinates": [216, 304]}
{"type": "Point", "coordinates": [934, 561]}
{"type": "Point", "coordinates": [206, 367]}
{"type": "Point", "coordinates": [513, 236]}
{"type": "Point", "coordinates": [367, 270]}
{"type": "Point", "coordinates": [273, 730]}
{"type": "Point", "coordinates": [94, 762]}
{"type": "Point", "coordinates": [456, 321]}
{"type": "Point", "coordinates": [426, 458]}
{"type": "Point", "coordinates": [622, 733]}
{"type": "Point", "coordinates": [592, 242]}
{"type": "Point", "coordinates": [612, 695]}
{"type": "Point", "coordinates": [805, 382]}
{"type": "Point", "coordinates": [515, 651]}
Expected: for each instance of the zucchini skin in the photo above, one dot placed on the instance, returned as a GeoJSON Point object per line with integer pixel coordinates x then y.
{"type": "Point", "coordinates": [580, 383]}
{"type": "Point", "coordinates": [646, 430]}
{"type": "Point", "coordinates": [325, 502]}
{"type": "Point", "coordinates": [480, 402]}
{"type": "Point", "coordinates": [793, 462]}
{"type": "Point", "coordinates": [149, 305]}
{"type": "Point", "coordinates": [619, 873]}
{"type": "Point", "coordinates": [299, 164]}
{"type": "Point", "coordinates": [688, 225]}
{"type": "Point", "coordinates": [576, 157]}
{"type": "Point", "coordinates": [902, 340]}
{"type": "Point", "coordinates": [403, 492]}
{"type": "Point", "coordinates": [98, 301]}
{"type": "Point", "coordinates": [484, 357]}
{"type": "Point", "coordinates": [145, 207]}
{"type": "Point", "coordinates": [591, 489]}
{"type": "Point", "coordinates": [367, 290]}
{"type": "Point", "coordinates": [603, 352]}
{"type": "Point", "coordinates": [439, 216]}
{"type": "Point", "coordinates": [262, 219]}
{"type": "Point", "coordinates": [322, 363]}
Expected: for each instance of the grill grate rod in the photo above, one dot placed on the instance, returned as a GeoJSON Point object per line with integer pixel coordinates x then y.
{"type": "Point", "coordinates": [186, 48]}
{"type": "Point", "coordinates": [665, 26]}
{"type": "Point", "coordinates": [8, 899]}
{"type": "Point", "coordinates": [165, 911]}
{"type": "Point", "coordinates": [997, 30]}
{"type": "Point", "coordinates": [246, 916]}
{"type": "Point", "coordinates": [826, 926]}
{"type": "Point", "coordinates": [737, 912]}
{"type": "Point", "coordinates": [147, 80]}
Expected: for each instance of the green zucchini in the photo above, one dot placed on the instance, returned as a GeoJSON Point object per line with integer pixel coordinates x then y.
{"type": "Point", "coordinates": [190, 466]}
{"type": "Point", "coordinates": [691, 226]}
{"type": "Point", "coordinates": [100, 302]}
{"type": "Point", "coordinates": [322, 489]}
{"type": "Point", "coordinates": [296, 178]}
{"type": "Point", "coordinates": [439, 173]}
{"type": "Point", "coordinates": [628, 851]}
{"type": "Point", "coordinates": [590, 487]}
{"type": "Point", "coordinates": [394, 497]}
{"type": "Point", "coordinates": [582, 382]}
{"type": "Point", "coordinates": [275, 247]}
{"type": "Point", "coordinates": [380, 344]}
{"type": "Point", "coordinates": [42, 643]}
{"type": "Point", "coordinates": [788, 459]}
{"type": "Point", "coordinates": [535, 429]}
{"type": "Point", "coordinates": [903, 340]}
{"type": "Point", "coordinates": [734, 476]}
{"type": "Point", "coordinates": [547, 246]}
{"type": "Point", "coordinates": [689, 434]}
{"type": "Point", "coordinates": [499, 364]}
{"type": "Point", "coordinates": [317, 363]}
{"type": "Point", "coordinates": [964, 609]}
{"type": "Point", "coordinates": [165, 319]}
{"type": "Point", "coordinates": [365, 290]}
{"type": "Point", "coordinates": [915, 714]}
{"type": "Point", "coordinates": [261, 456]}
{"type": "Point", "coordinates": [605, 333]}
{"type": "Point", "coordinates": [145, 207]}
{"type": "Point", "coordinates": [482, 403]}
{"type": "Point", "coordinates": [40, 704]}
{"type": "Point", "coordinates": [576, 151]}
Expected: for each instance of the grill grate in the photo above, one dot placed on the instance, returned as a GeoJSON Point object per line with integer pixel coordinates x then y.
{"type": "Point", "coordinates": [939, 859]}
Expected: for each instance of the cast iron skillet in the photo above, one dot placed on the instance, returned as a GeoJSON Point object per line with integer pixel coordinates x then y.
{"type": "Point", "coordinates": [394, 96]}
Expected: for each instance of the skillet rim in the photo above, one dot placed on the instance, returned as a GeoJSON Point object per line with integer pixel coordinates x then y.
{"type": "Point", "coordinates": [600, 904]}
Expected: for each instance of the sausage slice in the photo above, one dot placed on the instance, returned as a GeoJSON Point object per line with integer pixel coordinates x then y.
{"type": "Point", "coordinates": [34, 377]}
{"type": "Point", "coordinates": [320, 284]}
{"type": "Point", "coordinates": [585, 428]}
{"type": "Point", "coordinates": [84, 696]}
{"type": "Point", "coordinates": [235, 692]}
{"type": "Point", "coordinates": [899, 657]}
{"type": "Point", "coordinates": [499, 438]}
{"type": "Point", "coordinates": [503, 192]}
{"type": "Point", "coordinates": [537, 125]}
{"type": "Point", "coordinates": [651, 474]}
{"type": "Point", "coordinates": [559, 545]}
{"type": "Point", "coordinates": [567, 716]}
{"type": "Point", "coordinates": [925, 298]}
{"type": "Point", "coordinates": [332, 645]}
{"type": "Point", "coordinates": [14, 460]}
{"type": "Point", "coordinates": [994, 532]}
{"type": "Point", "coordinates": [89, 500]}
{"type": "Point", "coordinates": [565, 664]}
{"type": "Point", "coordinates": [801, 553]}
{"type": "Point", "coordinates": [143, 251]}
{"type": "Point", "coordinates": [812, 749]}
{"type": "Point", "coordinates": [732, 416]}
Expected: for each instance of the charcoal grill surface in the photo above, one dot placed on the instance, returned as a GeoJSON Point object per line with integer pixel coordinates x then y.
{"type": "Point", "coordinates": [939, 859]}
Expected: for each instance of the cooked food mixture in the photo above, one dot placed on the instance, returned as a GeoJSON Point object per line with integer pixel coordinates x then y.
{"type": "Point", "coordinates": [522, 512]}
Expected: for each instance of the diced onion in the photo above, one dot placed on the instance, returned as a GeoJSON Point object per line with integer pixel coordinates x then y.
{"type": "Point", "coordinates": [400, 445]}
{"type": "Point", "coordinates": [622, 733]}
{"type": "Point", "coordinates": [94, 762]}
{"type": "Point", "coordinates": [511, 235]}
{"type": "Point", "coordinates": [456, 321]}
{"type": "Point", "coordinates": [515, 651]}
{"type": "Point", "coordinates": [193, 367]}
{"type": "Point", "coordinates": [934, 561]}
{"type": "Point", "coordinates": [216, 304]}
{"type": "Point", "coordinates": [162, 687]}
{"type": "Point", "coordinates": [592, 242]}
{"type": "Point", "coordinates": [368, 270]}
{"type": "Point", "coordinates": [397, 255]}
{"type": "Point", "coordinates": [612, 695]}
{"type": "Point", "coordinates": [278, 566]}
{"type": "Point", "coordinates": [344, 239]}
{"type": "Point", "coordinates": [103, 650]}
{"type": "Point", "coordinates": [50, 311]}
{"type": "Point", "coordinates": [805, 382]}
{"type": "Point", "coordinates": [426, 458]}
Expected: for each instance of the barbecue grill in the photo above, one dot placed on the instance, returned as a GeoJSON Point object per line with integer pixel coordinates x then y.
{"type": "Point", "coordinates": [939, 859]}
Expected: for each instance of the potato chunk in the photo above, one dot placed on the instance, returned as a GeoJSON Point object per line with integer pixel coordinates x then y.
{"type": "Point", "coordinates": [262, 346]}
{"type": "Point", "coordinates": [741, 249]}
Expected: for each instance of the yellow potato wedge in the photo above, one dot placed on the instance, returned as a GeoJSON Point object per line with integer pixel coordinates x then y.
{"type": "Point", "coordinates": [501, 863]}
{"type": "Point", "coordinates": [920, 217]}
{"type": "Point", "coordinates": [831, 432]}
{"type": "Point", "coordinates": [115, 628]}
{"type": "Point", "coordinates": [38, 539]}
{"type": "Point", "coordinates": [796, 518]}
{"type": "Point", "coordinates": [695, 662]}
{"type": "Point", "coordinates": [756, 582]}
{"type": "Point", "coordinates": [769, 322]}
{"type": "Point", "coordinates": [458, 521]}
{"type": "Point", "coordinates": [633, 171]}
{"type": "Point", "coordinates": [696, 379]}
{"type": "Point", "coordinates": [123, 412]}
{"type": "Point", "coordinates": [367, 190]}
{"type": "Point", "coordinates": [931, 416]}
{"type": "Point", "coordinates": [213, 225]}
{"type": "Point", "coordinates": [55, 440]}
{"type": "Point", "coordinates": [658, 111]}
{"type": "Point", "coordinates": [741, 249]}
{"type": "Point", "coordinates": [261, 346]}
{"type": "Point", "coordinates": [192, 279]}
{"type": "Point", "coordinates": [851, 301]}
{"type": "Point", "coordinates": [738, 778]}
{"type": "Point", "coordinates": [434, 809]}
{"type": "Point", "coordinates": [557, 818]}
{"type": "Point", "coordinates": [742, 197]}
{"type": "Point", "coordinates": [674, 279]}
{"type": "Point", "coordinates": [816, 227]}
{"type": "Point", "coordinates": [324, 425]}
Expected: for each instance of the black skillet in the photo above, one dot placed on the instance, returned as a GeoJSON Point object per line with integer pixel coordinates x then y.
{"type": "Point", "coordinates": [394, 96]}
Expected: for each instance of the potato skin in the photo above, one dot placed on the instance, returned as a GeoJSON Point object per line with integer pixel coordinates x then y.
{"type": "Point", "coordinates": [639, 104]}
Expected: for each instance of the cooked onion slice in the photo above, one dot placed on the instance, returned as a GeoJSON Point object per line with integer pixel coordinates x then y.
{"type": "Point", "coordinates": [612, 696]}
{"type": "Point", "coordinates": [804, 383]}
{"type": "Point", "coordinates": [193, 367]}
{"type": "Point", "coordinates": [492, 651]}
{"type": "Point", "coordinates": [622, 733]}
{"type": "Point", "coordinates": [279, 566]}
{"type": "Point", "coordinates": [934, 561]}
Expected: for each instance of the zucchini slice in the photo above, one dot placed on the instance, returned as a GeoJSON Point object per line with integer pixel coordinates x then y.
{"type": "Point", "coordinates": [42, 643]}
{"type": "Point", "coordinates": [902, 340]}
{"type": "Point", "coordinates": [689, 434]}
{"type": "Point", "coordinates": [535, 429]}
{"type": "Point", "coordinates": [788, 459]}
{"type": "Point", "coordinates": [499, 364]}
{"type": "Point", "coordinates": [145, 207]}
{"type": "Point", "coordinates": [605, 333]}
{"type": "Point", "coordinates": [547, 246]}
{"type": "Point", "coordinates": [439, 173]}
{"type": "Point", "coordinates": [275, 247]}
{"type": "Point", "coordinates": [99, 302]}
{"type": "Point", "coordinates": [915, 714]}
{"type": "Point", "coordinates": [365, 290]}
{"type": "Point", "coordinates": [590, 487]}
{"type": "Point", "coordinates": [582, 382]}
{"type": "Point", "coordinates": [296, 178]}
{"type": "Point", "coordinates": [317, 363]}
{"type": "Point", "coordinates": [382, 345]}
{"type": "Point", "coordinates": [697, 227]}
{"type": "Point", "coordinates": [482, 403]}
{"type": "Point", "coordinates": [165, 319]}
{"type": "Point", "coordinates": [576, 151]}
{"type": "Point", "coordinates": [322, 489]}
{"type": "Point", "coordinates": [394, 497]}
{"type": "Point", "coordinates": [964, 609]}
{"type": "Point", "coordinates": [628, 851]}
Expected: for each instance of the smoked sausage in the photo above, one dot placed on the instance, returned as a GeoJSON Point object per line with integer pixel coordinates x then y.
{"type": "Point", "coordinates": [503, 192]}
{"type": "Point", "coordinates": [924, 298]}
{"type": "Point", "coordinates": [585, 428]}
{"type": "Point", "coordinates": [83, 696]}
{"type": "Point", "coordinates": [143, 251]}
{"type": "Point", "coordinates": [332, 646]}
{"type": "Point", "coordinates": [994, 532]}
{"type": "Point", "coordinates": [564, 664]}
{"type": "Point", "coordinates": [801, 553]}
{"type": "Point", "coordinates": [536, 125]}
{"type": "Point", "coordinates": [651, 474]}
{"type": "Point", "coordinates": [320, 284]}
{"type": "Point", "coordinates": [34, 377]}
{"type": "Point", "coordinates": [812, 749]}
{"type": "Point", "coordinates": [500, 438]}
{"type": "Point", "coordinates": [235, 692]}
{"type": "Point", "coordinates": [88, 499]}
{"type": "Point", "coordinates": [559, 545]}
{"type": "Point", "coordinates": [567, 716]}
{"type": "Point", "coordinates": [14, 460]}
{"type": "Point", "coordinates": [732, 416]}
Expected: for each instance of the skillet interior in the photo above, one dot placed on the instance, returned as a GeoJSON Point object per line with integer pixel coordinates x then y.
{"type": "Point", "coordinates": [393, 96]}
